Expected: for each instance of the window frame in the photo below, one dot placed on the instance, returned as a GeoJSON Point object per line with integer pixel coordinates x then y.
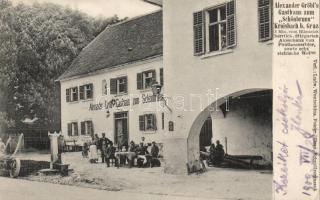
{"type": "Point", "coordinates": [74, 129]}
{"type": "Point", "coordinates": [88, 130]}
{"type": "Point", "coordinates": [146, 121]}
{"type": "Point", "coordinates": [145, 76]}
{"type": "Point", "coordinates": [201, 27]}
{"type": "Point", "coordinates": [142, 77]}
{"type": "Point", "coordinates": [71, 93]}
{"type": "Point", "coordinates": [219, 22]}
{"type": "Point", "coordinates": [125, 83]}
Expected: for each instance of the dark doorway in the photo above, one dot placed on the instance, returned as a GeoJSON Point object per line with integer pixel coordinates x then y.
{"type": "Point", "coordinates": [121, 129]}
{"type": "Point", "coordinates": [205, 134]}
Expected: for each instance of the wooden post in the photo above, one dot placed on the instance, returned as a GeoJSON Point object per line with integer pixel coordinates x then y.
{"type": "Point", "coordinates": [226, 144]}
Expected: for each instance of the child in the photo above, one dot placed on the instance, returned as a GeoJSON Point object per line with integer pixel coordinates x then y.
{"type": "Point", "coordinates": [85, 150]}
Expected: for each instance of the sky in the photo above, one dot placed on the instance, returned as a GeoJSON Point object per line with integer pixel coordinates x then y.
{"type": "Point", "coordinates": [103, 8]}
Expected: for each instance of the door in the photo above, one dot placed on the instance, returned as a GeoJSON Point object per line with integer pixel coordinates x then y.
{"type": "Point", "coordinates": [121, 129]}
{"type": "Point", "coordinates": [205, 134]}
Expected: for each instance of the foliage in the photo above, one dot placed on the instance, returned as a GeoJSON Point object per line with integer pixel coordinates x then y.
{"type": "Point", "coordinates": [37, 44]}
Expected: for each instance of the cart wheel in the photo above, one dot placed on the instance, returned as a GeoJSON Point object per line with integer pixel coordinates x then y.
{"type": "Point", "coordinates": [15, 167]}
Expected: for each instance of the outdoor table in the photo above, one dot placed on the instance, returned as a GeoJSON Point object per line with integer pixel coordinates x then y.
{"type": "Point", "coordinates": [129, 155]}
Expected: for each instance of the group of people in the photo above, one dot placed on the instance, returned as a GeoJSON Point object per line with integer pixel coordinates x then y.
{"type": "Point", "coordinates": [108, 151]}
{"type": "Point", "coordinates": [216, 153]}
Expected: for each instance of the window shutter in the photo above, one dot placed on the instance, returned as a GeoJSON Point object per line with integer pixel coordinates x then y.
{"type": "Point", "coordinates": [154, 78]}
{"type": "Point", "coordinates": [231, 24]}
{"type": "Point", "coordinates": [91, 128]}
{"type": "Point", "coordinates": [81, 93]}
{"type": "Point", "coordinates": [90, 94]}
{"type": "Point", "coordinates": [139, 81]}
{"type": "Point", "coordinates": [161, 76]}
{"type": "Point", "coordinates": [154, 117]}
{"type": "Point", "coordinates": [69, 129]}
{"type": "Point", "coordinates": [68, 92]}
{"type": "Point", "coordinates": [113, 86]}
{"type": "Point", "coordinates": [83, 128]}
{"type": "Point", "coordinates": [76, 129]}
{"type": "Point", "coordinates": [265, 19]}
{"type": "Point", "coordinates": [141, 123]}
{"type": "Point", "coordinates": [198, 32]}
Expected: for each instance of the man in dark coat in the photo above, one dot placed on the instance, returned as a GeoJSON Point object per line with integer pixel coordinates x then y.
{"type": "Point", "coordinates": [103, 144]}
{"type": "Point", "coordinates": [154, 161]}
{"type": "Point", "coordinates": [110, 154]}
{"type": "Point", "coordinates": [218, 154]}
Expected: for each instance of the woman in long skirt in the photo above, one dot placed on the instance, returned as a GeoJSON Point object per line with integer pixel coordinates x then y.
{"type": "Point", "coordinates": [93, 153]}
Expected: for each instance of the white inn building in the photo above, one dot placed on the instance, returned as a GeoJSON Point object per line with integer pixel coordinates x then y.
{"type": "Point", "coordinates": [107, 88]}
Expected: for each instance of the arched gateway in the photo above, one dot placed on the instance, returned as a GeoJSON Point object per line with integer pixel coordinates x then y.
{"type": "Point", "coordinates": [241, 121]}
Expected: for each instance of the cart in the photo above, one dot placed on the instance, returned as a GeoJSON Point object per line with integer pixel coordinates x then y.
{"type": "Point", "coordinates": [10, 163]}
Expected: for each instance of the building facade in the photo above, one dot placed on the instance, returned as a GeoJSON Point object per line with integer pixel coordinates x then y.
{"type": "Point", "coordinates": [107, 89]}
{"type": "Point", "coordinates": [214, 65]}
{"type": "Point", "coordinates": [218, 58]}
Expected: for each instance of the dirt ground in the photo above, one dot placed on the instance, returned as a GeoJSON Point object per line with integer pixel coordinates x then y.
{"type": "Point", "coordinates": [215, 183]}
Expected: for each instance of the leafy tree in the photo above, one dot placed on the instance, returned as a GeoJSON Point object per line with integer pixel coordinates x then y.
{"type": "Point", "coordinates": [37, 44]}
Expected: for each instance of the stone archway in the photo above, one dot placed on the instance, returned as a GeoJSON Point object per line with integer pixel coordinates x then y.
{"type": "Point", "coordinates": [247, 122]}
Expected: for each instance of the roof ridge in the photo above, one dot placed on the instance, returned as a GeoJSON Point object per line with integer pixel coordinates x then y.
{"type": "Point", "coordinates": [133, 18]}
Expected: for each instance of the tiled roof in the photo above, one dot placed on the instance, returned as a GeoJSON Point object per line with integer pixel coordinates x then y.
{"type": "Point", "coordinates": [155, 2]}
{"type": "Point", "coordinates": [129, 41]}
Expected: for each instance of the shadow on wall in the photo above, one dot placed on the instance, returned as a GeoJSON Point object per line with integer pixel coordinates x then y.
{"type": "Point", "coordinates": [247, 125]}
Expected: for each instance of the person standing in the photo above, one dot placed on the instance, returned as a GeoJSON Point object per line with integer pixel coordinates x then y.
{"type": "Point", "coordinates": [103, 143]}
{"type": "Point", "coordinates": [218, 153]}
{"type": "Point", "coordinates": [154, 161]}
{"type": "Point", "coordinates": [96, 141]}
{"type": "Point", "coordinates": [93, 152]}
{"type": "Point", "coordinates": [110, 154]}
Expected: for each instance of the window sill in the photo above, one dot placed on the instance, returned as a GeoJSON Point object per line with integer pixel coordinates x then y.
{"type": "Point", "coordinates": [149, 132]}
{"type": "Point", "coordinates": [85, 100]}
{"type": "Point", "coordinates": [267, 42]}
{"type": "Point", "coordinates": [212, 54]}
{"type": "Point", "coordinates": [120, 95]}
{"type": "Point", "coordinates": [73, 102]}
{"type": "Point", "coordinates": [145, 90]}
{"type": "Point", "coordinates": [270, 42]}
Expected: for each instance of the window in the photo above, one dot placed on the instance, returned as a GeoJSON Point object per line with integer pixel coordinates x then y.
{"type": "Point", "coordinates": [104, 87]}
{"type": "Point", "coordinates": [147, 122]}
{"type": "Point", "coordinates": [73, 129]}
{"type": "Point", "coordinates": [86, 128]}
{"type": "Point", "coordinates": [86, 91]}
{"type": "Point", "coordinates": [119, 85]}
{"type": "Point", "coordinates": [217, 29]}
{"type": "Point", "coordinates": [146, 79]}
{"type": "Point", "coordinates": [217, 25]}
{"type": "Point", "coordinates": [265, 19]}
{"type": "Point", "coordinates": [72, 94]}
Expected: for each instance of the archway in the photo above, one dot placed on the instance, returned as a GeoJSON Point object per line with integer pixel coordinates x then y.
{"type": "Point", "coordinates": [244, 119]}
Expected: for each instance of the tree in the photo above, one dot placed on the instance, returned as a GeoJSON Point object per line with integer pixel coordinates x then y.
{"type": "Point", "coordinates": [37, 44]}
